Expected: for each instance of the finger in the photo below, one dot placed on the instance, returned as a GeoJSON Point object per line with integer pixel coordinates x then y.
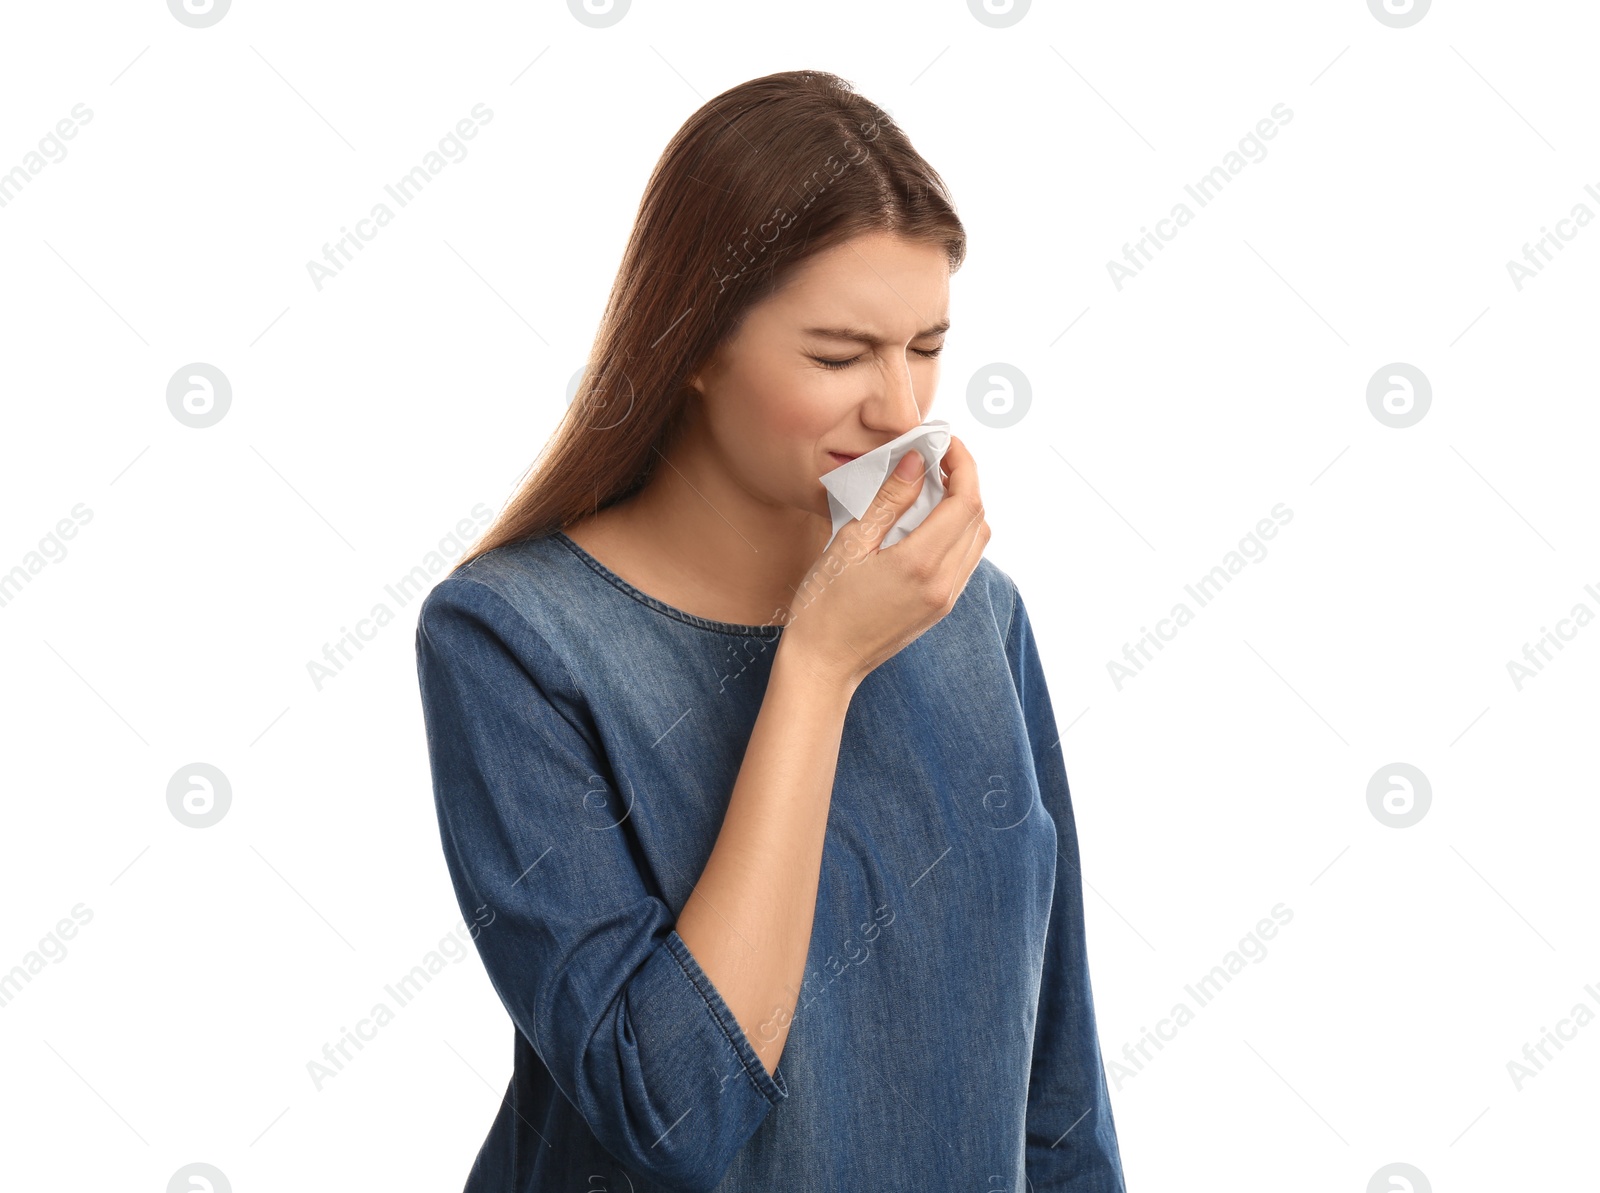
{"type": "Point", "coordinates": [895, 496]}
{"type": "Point", "coordinates": [964, 559]}
{"type": "Point", "coordinates": [945, 528]}
{"type": "Point", "coordinates": [969, 560]}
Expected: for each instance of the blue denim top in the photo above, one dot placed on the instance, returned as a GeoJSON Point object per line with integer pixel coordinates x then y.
{"type": "Point", "coordinates": [584, 738]}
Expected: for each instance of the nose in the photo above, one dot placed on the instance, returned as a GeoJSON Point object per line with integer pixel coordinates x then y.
{"type": "Point", "coordinates": [894, 403]}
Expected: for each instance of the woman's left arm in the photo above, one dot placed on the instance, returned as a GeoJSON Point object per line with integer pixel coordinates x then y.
{"type": "Point", "coordinates": [1071, 1135]}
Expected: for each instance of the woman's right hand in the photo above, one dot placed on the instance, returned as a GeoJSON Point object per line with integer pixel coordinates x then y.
{"type": "Point", "coordinates": [859, 605]}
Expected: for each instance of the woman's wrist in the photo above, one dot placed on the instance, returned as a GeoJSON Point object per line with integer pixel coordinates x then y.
{"type": "Point", "coordinates": [797, 663]}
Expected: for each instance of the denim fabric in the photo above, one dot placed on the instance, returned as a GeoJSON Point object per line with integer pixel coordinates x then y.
{"type": "Point", "coordinates": [584, 740]}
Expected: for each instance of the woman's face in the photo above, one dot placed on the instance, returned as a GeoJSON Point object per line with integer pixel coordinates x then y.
{"type": "Point", "coordinates": [775, 409]}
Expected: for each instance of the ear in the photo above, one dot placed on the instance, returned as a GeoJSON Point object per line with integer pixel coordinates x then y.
{"type": "Point", "coordinates": [703, 375]}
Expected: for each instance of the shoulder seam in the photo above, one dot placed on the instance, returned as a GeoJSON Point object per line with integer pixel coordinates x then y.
{"type": "Point", "coordinates": [572, 687]}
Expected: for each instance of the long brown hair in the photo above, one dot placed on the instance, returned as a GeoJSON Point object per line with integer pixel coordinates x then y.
{"type": "Point", "coordinates": [756, 181]}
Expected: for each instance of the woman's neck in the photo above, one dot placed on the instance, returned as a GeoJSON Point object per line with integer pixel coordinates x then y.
{"type": "Point", "coordinates": [694, 538]}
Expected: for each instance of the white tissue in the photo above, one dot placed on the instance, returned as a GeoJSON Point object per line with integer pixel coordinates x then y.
{"type": "Point", "coordinates": [851, 487]}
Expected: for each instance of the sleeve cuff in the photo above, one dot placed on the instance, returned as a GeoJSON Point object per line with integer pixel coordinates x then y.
{"type": "Point", "coordinates": [771, 1086]}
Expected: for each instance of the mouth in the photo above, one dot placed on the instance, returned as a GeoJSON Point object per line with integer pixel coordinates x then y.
{"type": "Point", "coordinates": [840, 457]}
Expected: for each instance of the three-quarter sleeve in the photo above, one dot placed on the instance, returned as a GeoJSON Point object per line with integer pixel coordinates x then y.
{"type": "Point", "coordinates": [581, 950]}
{"type": "Point", "coordinates": [1071, 1135]}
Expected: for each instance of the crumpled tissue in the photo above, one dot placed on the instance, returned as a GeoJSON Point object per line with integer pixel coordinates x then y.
{"type": "Point", "coordinates": [852, 487]}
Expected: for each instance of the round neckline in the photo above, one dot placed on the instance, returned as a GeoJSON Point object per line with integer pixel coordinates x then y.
{"type": "Point", "coordinates": [660, 606]}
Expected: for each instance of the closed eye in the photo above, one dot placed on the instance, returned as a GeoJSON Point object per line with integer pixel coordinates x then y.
{"type": "Point", "coordinates": [929, 353]}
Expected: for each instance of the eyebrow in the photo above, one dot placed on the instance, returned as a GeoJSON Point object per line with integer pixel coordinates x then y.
{"type": "Point", "coordinates": [866, 337]}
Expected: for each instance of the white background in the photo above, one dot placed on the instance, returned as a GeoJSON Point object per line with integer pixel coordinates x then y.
{"type": "Point", "coordinates": [1230, 375]}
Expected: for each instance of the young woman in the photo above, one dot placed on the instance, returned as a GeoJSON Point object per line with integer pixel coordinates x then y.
{"type": "Point", "coordinates": [769, 847]}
